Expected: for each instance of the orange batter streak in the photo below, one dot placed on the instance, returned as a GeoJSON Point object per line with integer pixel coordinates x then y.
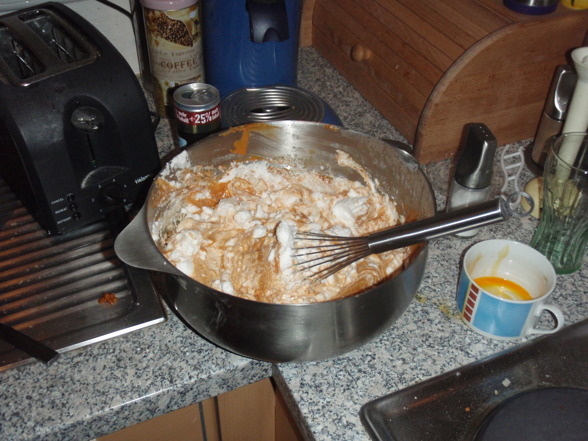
{"type": "Point", "coordinates": [503, 288]}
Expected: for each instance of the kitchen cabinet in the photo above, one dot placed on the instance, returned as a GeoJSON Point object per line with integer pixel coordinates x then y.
{"type": "Point", "coordinates": [254, 412]}
{"type": "Point", "coordinates": [430, 67]}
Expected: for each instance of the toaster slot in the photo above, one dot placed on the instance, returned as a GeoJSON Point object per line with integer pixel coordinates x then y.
{"type": "Point", "coordinates": [19, 60]}
{"type": "Point", "coordinates": [39, 44]}
{"type": "Point", "coordinates": [57, 39]}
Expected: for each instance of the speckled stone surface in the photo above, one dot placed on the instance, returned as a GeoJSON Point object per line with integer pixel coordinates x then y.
{"type": "Point", "coordinates": [114, 384]}
{"type": "Point", "coordinates": [429, 338]}
{"type": "Point", "coordinates": [110, 385]}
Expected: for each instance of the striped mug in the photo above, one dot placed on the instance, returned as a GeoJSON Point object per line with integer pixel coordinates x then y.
{"type": "Point", "coordinates": [503, 290]}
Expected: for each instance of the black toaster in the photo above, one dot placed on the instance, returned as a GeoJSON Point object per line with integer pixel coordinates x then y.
{"type": "Point", "coordinates": [77, 140]}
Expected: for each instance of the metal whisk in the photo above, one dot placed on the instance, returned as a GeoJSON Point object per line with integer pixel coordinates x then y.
{"type": "Point", "coordinates": [333, 253]}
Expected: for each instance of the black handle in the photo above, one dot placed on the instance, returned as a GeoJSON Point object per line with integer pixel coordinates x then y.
{"type": "Point", "coordinates": [26, 344]}
{"type": "Point", "coordinates": [268, 20]}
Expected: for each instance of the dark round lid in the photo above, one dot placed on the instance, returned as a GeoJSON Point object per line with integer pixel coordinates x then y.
{"type": "Point", "coordinates": [532, 7]}
{"type": "Point", "coordinates": [550, 414]}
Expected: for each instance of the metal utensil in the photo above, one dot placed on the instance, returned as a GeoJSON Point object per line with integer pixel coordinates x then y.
{"type": "Point", "coordinates": [29, 345]}
{"type": "Point", "coordinates": [334, 253]}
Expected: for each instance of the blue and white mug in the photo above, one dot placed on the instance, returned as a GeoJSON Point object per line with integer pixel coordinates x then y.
{"type": "Point", "coordinates": [503, 290]}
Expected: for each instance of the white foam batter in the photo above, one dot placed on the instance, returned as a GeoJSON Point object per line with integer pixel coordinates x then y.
{"type": "Point", "coordinates": [232, 228]}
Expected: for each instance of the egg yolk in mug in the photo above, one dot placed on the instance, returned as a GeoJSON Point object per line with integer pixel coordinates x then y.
{"type": "Point", "coordinates": [503, 288]}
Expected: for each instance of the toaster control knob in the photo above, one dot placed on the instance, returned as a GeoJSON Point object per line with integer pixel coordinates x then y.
{"type": "Point", "coordinates": [87, 119]}
{"type": "Point", "coordinates": [111, 195]}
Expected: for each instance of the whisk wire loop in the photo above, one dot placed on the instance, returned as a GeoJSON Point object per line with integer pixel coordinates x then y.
{"type": "Point", "coordinates": [329, 253]}
{"type": "Point", "coordinates": [336, 252]}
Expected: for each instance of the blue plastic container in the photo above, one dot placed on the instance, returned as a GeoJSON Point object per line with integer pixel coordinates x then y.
{"type": "Point", "coordinates": [250, 43]}
{"type": "Point", "coordinates": [532, 7]}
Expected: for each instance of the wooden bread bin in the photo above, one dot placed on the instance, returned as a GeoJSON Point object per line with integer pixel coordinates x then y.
{"type": "Point", "coordinates": [432, 66]}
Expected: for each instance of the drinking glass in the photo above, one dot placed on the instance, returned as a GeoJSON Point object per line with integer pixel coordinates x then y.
{"type": "Point", "coordinates": [562, 234]}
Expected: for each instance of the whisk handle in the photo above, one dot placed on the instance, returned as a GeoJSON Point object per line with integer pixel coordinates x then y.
{"type": "Point", "coordinates": [443, 224]}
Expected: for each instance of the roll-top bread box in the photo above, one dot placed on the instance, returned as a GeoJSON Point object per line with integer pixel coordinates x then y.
{"type": "Point", "coordinates": [433, 66]}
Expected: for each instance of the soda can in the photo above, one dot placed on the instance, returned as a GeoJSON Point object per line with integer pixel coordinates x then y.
{"type": "Point", "coordinates": [197, 110]}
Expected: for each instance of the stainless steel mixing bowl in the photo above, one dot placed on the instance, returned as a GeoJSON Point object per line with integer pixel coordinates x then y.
{"type": "Point", "coordinates": [300, 332]}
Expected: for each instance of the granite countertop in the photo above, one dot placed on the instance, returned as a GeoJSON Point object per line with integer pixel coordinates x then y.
{"type": "Point", "coordinates": [110, 385]}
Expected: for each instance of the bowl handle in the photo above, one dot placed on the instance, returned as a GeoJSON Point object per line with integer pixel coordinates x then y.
{"type": "Point", "coordinates": [135, 247]}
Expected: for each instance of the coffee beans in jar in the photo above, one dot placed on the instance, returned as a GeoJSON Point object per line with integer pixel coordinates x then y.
{"type": "Point", "coordinates": [174, 41]}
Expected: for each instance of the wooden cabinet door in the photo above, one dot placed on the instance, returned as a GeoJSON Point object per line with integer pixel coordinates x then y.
{"type": "Point", "coordinates": [253, 412]}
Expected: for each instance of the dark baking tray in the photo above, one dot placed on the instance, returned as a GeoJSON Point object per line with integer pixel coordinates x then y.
{"type": "Point", "coordinates": [452, 406]}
